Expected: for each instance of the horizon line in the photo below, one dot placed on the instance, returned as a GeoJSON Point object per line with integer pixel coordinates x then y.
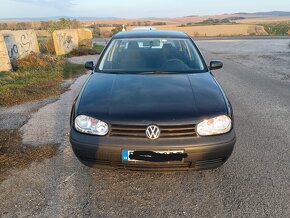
{"type": "Point", "coordinates": [126, 18]}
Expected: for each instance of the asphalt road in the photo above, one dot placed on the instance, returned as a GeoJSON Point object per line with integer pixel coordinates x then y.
{"type": "Point", "coordinates": [255, 182]}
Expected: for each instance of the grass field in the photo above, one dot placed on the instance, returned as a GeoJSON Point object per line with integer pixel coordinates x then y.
{"type": "Point", "coordinates": [277, 28]}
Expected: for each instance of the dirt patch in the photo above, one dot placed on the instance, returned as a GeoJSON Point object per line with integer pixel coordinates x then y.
{"type": "Point", "coordinates": [13, 155]}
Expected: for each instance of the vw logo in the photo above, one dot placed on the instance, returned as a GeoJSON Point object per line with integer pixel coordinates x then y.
{"type": "Point", "coordinates": [153, 132]}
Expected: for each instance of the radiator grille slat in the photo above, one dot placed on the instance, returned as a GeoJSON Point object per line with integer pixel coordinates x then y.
{"type": "Point", "coordinates": [174, 131]}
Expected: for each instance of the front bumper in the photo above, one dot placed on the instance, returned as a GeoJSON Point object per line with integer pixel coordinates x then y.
{"type": "Point", "coordinates": [202, 152]}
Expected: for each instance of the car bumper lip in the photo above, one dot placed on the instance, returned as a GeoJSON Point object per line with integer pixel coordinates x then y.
{"type": "Point", "coordinates": [202, 152]}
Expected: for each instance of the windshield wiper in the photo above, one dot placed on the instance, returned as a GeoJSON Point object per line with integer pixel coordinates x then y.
{"type": "Point", "coordinates": [136, 72]}
{"type": "Point", "coordinates": [158, 72]}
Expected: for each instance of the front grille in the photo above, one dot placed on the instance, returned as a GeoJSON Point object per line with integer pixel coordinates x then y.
{"type": "Point", "coordinates": [130, 131]}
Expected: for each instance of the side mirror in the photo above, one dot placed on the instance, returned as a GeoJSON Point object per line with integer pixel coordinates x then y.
{"type": "Point", "coordinates": [214, 65]}
{"type": "Point", "coordinates": [89, 65]}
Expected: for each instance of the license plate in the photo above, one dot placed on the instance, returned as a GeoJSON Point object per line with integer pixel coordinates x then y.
{"type": "Point", "coordinates": [127, 154]}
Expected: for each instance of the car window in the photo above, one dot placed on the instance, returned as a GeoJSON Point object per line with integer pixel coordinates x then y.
{"type": "Point", "coordinates": [151, 54]}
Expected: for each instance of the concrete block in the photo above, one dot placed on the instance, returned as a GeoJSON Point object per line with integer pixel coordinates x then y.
{"type": "Point", "coordinates": [65, 41]}
{"type": "Point", "coordinates": [85, 38]}
{"type": "Point", "coordinates": [5, 64]}
{"type": "Point", "coordinates": [20, 43]}
{"type": "Point", "coordinates": [68, 39]}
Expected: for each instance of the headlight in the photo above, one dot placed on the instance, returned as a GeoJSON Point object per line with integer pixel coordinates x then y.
{"type": "Point", "coordinates": [90, 125]}
{"type": "Point", "coordinates": [214, 126]}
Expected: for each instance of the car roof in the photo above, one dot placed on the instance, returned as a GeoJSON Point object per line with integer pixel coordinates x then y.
{"type": "Point", "coordinates": [150, 34]}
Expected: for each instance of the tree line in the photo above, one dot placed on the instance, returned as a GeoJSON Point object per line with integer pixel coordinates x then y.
{"type": "Point", "coordinates": [62, 23]}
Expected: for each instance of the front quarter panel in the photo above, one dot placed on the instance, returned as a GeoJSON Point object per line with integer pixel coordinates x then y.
{"type": "Point", "coordinates": [76, 103]}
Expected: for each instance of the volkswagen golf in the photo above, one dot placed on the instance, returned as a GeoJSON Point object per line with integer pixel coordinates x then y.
{"type": "Point", "coordinates": [152, 103]}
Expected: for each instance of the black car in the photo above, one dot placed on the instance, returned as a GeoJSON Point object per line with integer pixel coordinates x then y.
{"type": "Point", "coordinates": [152, 103]}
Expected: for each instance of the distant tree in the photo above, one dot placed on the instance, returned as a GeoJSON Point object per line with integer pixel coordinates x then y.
{"type": "Point", "coordinates": [147, 23]}
{"type": "Point", "coordinates": [28, 26]}
{"type": "Point", "coordinates": [3, 26]}
{"type": "Point", "coordinates": [75, 24]}
{"type": "Point", "coordinates": [96, 30]}
{"type": "Point", "coordinates": [63, 23]}
{"type": "Point", "coordinates": [106, 33]}
{"type": "Point", "coordinates": [158, 23]}
{"type": "Point", "coordinates": [103, 25]}
{"type": "Point", "coordinates": [21, 26]}
{"type": "Point", "coordinates": [117, 29]}
{"type": "Point", "coordinates": [44, 25]}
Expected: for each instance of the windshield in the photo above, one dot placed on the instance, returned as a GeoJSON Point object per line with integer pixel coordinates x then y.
{"type": "Point", "coordinates": [151, 55]}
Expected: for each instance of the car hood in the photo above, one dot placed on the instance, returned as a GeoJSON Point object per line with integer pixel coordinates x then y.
{"type": "Point", "coordinates": [146, 99]}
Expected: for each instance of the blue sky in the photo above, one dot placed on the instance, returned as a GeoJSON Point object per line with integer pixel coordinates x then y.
{"type": "Point", "coordinates": [134, 8]}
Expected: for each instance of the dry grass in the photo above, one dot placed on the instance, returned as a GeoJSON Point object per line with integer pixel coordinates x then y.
{"type": "Point", "coordinates": [96, 49]}
{"type": "Point", "coordinates": [46, 45]}
{"type": "Point", "coordinates": [38, 77]}
{"type": "Point", "coordinates": [170, 21]}
{"type": "Point", "coordinates": [31, 92]}
{"type": "Point", "coordinates": [43, 34]}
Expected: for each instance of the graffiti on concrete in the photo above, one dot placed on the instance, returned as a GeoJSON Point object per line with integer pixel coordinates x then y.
{"type": "Point", "coordinates": [25, 42]}
{"type": "Point", "coordinates": [65, 40]}
{"type": "Point", "coordinates": [13, 52]}
{"type": "Point", "coordinates": [16, 44]}
{"type": "Point", "coordinates": [22, 47]}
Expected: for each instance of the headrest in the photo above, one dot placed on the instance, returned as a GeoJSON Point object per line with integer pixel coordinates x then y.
{"type": "Point", "coordinates": [167, 46]}
{"type": "Point", "coordinates": [133, 45]}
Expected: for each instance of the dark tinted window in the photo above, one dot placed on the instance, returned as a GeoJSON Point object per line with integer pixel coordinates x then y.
{"type": "Point", "coordinates": [145, 55]}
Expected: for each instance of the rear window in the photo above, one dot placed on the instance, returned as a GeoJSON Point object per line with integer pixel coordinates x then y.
{"type": "Point", "coordinates": [155, 54]}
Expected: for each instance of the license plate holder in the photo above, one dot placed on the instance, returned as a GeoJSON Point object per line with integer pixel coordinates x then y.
{"type": "Point", "coordinates": [153, 156]}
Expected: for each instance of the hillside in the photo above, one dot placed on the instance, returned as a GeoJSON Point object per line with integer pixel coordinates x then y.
{"type": "Point", "coordinates": [264, 14]}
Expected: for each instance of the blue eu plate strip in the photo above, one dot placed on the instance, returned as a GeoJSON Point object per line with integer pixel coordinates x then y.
{"type": "Point", "coordinates": [125, 155]}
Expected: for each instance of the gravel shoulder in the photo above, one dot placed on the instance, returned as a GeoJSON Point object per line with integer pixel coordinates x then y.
{"type": "Point", "coordinates": [47, 125]}
{"type": "Point", "coordinates": [24, 141]}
